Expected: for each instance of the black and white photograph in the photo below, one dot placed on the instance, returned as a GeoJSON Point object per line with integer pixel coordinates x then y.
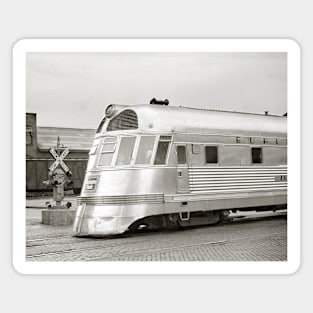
{"type": "Point", "coordinates": [141, 155]}
{"type": "Point", "coordinates": [156, 156]}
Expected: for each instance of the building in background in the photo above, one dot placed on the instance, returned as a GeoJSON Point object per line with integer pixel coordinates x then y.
{"type": "Point", "coordinates": [38, 159]}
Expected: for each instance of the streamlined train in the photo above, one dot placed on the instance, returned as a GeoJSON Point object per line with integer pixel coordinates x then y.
{"type": "Point", "coordinates": [155, 165]}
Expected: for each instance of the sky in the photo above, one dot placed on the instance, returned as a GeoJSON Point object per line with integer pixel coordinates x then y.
{"type": "Point", "coordinates": [73, 89]}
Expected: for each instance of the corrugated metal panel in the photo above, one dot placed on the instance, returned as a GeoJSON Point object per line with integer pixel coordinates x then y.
{"type": "Point", "coordinates": [231, 179]}
{"type": "Point", "coordinates": [129, 199]}
{"type": "Point", "coordinates": [72, 138]}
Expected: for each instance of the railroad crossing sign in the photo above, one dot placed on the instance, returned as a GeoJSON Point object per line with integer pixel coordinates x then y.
{"type": "Point", "coordinates": [59, 158]}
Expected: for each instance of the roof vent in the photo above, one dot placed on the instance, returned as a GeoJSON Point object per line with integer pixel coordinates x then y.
{"type": "Point", "coordinates": [159, 102]}
{"type": "Point", "coordinates": [266, 112]}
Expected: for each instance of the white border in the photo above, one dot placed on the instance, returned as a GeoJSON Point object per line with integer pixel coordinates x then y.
{"type": "Point", "coordinates": [155, 45]}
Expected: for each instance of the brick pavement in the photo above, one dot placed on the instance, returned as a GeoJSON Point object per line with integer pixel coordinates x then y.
{"type": "Point", "coordinates": [244, 240]}
{"type": "Point", "coordinates": [264, 240]}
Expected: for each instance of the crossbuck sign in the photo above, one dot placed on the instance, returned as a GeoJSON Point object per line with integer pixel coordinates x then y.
{"type": "Point", "coordinates": [59, 160]}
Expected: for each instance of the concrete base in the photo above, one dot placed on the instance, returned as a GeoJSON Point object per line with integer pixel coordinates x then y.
{"type": "Point", "coordinates": [58, 217]}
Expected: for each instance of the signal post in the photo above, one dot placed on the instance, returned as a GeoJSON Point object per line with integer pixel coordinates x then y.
{"type": "Point", "coordinates": [59, 176]}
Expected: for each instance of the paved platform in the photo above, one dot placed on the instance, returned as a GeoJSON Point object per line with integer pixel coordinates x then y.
{"type": "Point", "coordinates": [34, 227]}
{"type": "Point", "coordinates": [41, 202]}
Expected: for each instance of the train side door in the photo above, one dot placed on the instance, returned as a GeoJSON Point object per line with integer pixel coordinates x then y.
{"type": "Point", "coordinates": [182, 169]}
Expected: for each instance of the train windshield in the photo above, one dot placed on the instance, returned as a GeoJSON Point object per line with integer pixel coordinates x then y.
{"type": "Point", "coordinates": [129, 150]}
{"type": "Point", "coordinates": [145, 149]}
{"type": "Point", "coordinates": [107, 151]}
{"type": "Point", "coordinates": [125, 151]}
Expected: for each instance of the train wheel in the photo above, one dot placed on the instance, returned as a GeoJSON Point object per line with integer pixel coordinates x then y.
{"type": "Point", "coordinates": [224, 216]}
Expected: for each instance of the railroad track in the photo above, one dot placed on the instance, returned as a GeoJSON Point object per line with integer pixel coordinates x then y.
{"type": "Point", "coordinates": [47, 240]}
{"type": "Point", "coordinates": [71, 250]}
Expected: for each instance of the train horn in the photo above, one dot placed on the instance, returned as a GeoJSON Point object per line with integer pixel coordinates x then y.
{"type": "Point", "coordinates": [159, 102]}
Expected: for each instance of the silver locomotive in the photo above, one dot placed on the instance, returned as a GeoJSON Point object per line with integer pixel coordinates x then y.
{"type": "Point", "coordinates": [155, 166]}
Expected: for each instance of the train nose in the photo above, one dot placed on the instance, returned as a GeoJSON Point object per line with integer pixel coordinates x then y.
{"type": "Point", "coordinates": [86, 226]}
{"type": "Point", "coordinates": [94, 220]}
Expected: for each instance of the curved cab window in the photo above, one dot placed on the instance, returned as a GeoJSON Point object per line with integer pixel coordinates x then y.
{"type": "Point", "coordinates": [145, 150]}
{"type": "Point", "coordinates": [125, 120]}
{"type": "Point", "coordinates": [125, 152]}
{"type": "Point", "coordinates": [107, 151]}
{"type": "Point", "coordinates": [108, 147]}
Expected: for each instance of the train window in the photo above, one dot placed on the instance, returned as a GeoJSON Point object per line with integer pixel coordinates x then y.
{"type": "Point", "coordinates": [100, 126]}
{"type": "Point", "coordinates": [106, 154]}
{"type": "Point", "coordinates": [108, 147]}
{"type": "Point", "coordinates": [161, 154]}
{"type": "Point", "coordinates": [256, 155]}
{"type": "Point", "coordinates": [125, 120]}
{"type": "Point", "coordinates": [166, 138]}
{"type": "Point", "coordinates": [181, 155]}
{"type": "Point", "coordinates": [271, 141]}
{"type": "Point", "coordinates": [109, 139]}
{"type": "Point", "coordinates": [145, 150]}
{"type": "Point", "coordinates": [125, 152]}
{"type": "Point", "coordinates": [211, 154]}
{"type": "Point", "coordinates": [105, 159]}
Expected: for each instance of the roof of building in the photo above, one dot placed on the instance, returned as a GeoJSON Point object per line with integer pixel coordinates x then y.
{"type": "Point", "coordinates": [72, 138]}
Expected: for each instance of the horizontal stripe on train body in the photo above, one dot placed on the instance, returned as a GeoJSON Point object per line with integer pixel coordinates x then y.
{"type": "Point", "coordinates": [123, 199]}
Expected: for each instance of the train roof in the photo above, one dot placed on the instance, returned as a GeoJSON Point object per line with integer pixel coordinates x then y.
{"type": "Point", "coordinates": [165, 118]}
{"type": "Point", "coordinates": [72, 138]}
